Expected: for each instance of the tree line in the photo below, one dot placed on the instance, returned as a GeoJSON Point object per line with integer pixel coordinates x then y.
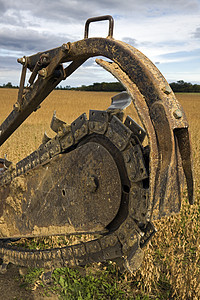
{"type": "Point", "coordinates": [185, 87]}
{"type": "Point", "coordinates": [178, 87]}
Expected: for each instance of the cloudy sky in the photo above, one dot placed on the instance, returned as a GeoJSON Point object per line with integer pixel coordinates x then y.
{"type": "Point", "coordinates": [166, 31]}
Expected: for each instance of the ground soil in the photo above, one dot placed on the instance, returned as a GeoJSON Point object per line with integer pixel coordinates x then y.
{"type": "Point", "coordinates": [12, 287]}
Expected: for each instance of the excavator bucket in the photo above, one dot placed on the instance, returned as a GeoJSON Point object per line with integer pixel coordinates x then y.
{"type": "Point", "coordinates": [95, 176]}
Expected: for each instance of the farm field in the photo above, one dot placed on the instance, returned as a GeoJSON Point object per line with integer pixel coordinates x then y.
{"type": "Point", "coordinates": [171, 267]}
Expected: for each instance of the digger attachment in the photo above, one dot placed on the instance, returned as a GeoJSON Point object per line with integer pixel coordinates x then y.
{"type": "Point", "coordinates": [95, 176]}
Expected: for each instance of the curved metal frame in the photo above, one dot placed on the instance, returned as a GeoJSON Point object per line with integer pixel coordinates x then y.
{"type": "Point", "coordinates": [159, 111]}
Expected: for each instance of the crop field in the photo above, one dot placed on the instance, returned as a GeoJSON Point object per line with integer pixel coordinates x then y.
{"type": "Point", "coordinates": [171, 267]}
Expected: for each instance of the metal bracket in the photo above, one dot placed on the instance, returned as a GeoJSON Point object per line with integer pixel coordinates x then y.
{"type": "Point", "coordinates": [135, 128]}
{"type": "Point", "coordinates": [118, 133]}
{"type": "Point", "coordinates": [80, 127]}
{"type": "Point", "coordinates": [98, 121]}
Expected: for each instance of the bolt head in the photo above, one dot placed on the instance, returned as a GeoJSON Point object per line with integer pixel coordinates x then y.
{"type": "Point", "coordinates": [177, 114]}
{"type": "Point", "coordinates": [132, 237]}
{"type": "Point", "coordinates": [21, 60]}
{"type": "Point", "coordinates": [16, 106]}
{"type": "Point", "coordinates": [167, 90]}
{"type": "Point", "coordinates": [65, 47]}
{"type": "Point", "coordinates": [43, 72]}
{"type": "Point", "coordinates": [99, 126]}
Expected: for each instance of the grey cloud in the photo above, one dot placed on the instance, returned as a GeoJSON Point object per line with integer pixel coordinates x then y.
{"type": "Point", "coordinates": [3, 7]}
{"type": "Point", "coordinates": [130, 41]}
{"type": "Point", "coordinates": [137, 6]}
{"type": "Point", "coordinates": [28, 40]}
{"type": "Point", "coordinates": [60, 11]}
{"type": "Point", "coordinates": [9, 63]}
{"type": "Point", "coordinates": [78, 11]}
{"type": "Point", "coordinates": [196, 34]}
{"type": "Point", "coordinates": [70, 11]}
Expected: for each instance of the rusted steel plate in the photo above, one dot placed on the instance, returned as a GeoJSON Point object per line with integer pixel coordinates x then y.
{"type": "Point", "coordinates": [79, 191]}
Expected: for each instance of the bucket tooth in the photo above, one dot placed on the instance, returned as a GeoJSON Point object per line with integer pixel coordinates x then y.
{"type": "Point", "coordinates": [45, 138]}
{"type": "Point", "coordinates": [120, 101]}
{"type": "Point", "coordinates": [56, 123]}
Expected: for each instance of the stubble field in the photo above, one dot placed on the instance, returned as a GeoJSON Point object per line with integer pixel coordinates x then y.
{"type": "Point", "coordinates": [171, 268]}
